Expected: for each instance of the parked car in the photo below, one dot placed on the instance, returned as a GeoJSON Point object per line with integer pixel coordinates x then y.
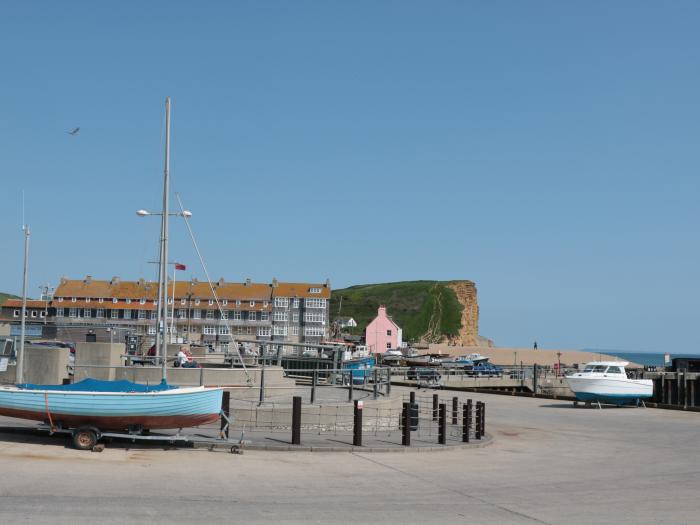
{"type": "Point", "coordinates": [418, 373]}
{"type": "Point", "coordinates": [487, 369]}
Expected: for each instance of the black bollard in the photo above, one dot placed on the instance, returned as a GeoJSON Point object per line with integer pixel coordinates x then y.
{"type": "Point", "coordinates": [388, 381]}
{"type": "Point", "coordinates": [442, 424]}
{"type": "Point", "coordinates": [534, 379]}
{"type": "Point", "coordinates": [376, 382]}
{"type": "Point", "coordinates": [477, 420]}
{"type": "Point", "coordinates": [262, 386]}
{"type": "Point", "coordinates": [455, 410]}
{"type": "Point", "coordinates": [412, 397]}
{"type": "Point", "coordinates": [350, 390]}
{"type": "Point", "coordinates": [406, 425]}
{"type": "Point", "coordinates": [296, 420]}
{"type": "Point", "coordinates": [225, 410]}
{"type": "Point", "coordinates": [466, 418]}
{"type": "Point", "coordinates": [314, 381]}
{"type": "Point", "coordinates": [435, 407]}
{"type": "Point", "coordinates": [482, 418]}
{"type": "Point", "coordinates": [357, 429]}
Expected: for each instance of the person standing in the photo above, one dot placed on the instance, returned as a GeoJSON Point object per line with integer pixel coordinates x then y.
{"type": "Point", "coordinates": [534, 345]}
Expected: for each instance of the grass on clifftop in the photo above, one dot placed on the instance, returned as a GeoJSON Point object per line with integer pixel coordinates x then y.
{"type": "Point", "coordinates": [423, 309]}
{"type": "Point", "coordinates": [5, 296]}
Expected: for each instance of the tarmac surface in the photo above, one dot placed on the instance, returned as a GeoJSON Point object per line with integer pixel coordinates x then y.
{"type": "Point", "coordinates": [548, 463]}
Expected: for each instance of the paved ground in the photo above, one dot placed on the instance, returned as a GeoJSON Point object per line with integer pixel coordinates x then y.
{"type": "Point", "coordinates": [549, 463]}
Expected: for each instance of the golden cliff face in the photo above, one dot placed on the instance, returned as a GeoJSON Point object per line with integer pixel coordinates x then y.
{"type": "Point", "coordinates": [466, 295]}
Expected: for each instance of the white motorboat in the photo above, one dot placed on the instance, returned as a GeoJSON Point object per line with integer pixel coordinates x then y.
{"type": "Point", "coordinates": [607, 382]}
{"type": "Point", "coordinates": [476, 358]}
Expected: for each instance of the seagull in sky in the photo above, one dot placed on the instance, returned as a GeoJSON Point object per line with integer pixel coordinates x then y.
{"type": "Point", "coordinates": [73, 131]}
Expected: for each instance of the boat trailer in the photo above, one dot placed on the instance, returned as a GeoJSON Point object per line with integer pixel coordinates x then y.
{"type": "Point", "coordinates": [86, 437]}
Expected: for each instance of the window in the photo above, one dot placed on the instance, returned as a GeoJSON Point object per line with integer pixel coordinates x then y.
{"type": "Point", "coordinates": [223, 330]}
{"type": "Point", "coordinates": [101, 300]}
{"type": "Point", "coordinates": [196, 301]}
{"type": "Point", "coordinates": [295, 317]}
{"type": "Point", "coordinates": [151, 330]}
{"type": "Point", "coordinates": [314, 290]}
{"type": "Point", "coordinates": [142, 301]}
{"type": "Point", "coordinates": [614, 370]}
{"type": "Point", "coordinates": [73, 299]}
{"type": "Point", "coordinates": [59, 312]}
{"type": "Point", "coordinates": [264, 331]}
{"type": "Point", "coordinates": [154, 314]}
{"type": "Point", "coordinates": [209, 330]}
{"type": "Point", "coordinates": [183, 302]}
{"type": "Point", "coordinates": [295, 303]}
{"type": "Point", "coordinates": [388, 346]}
{"type": "Point", "coordinates": [115, 300]}
{"type": "Point", "coordinates": [210, 314]}
{"type": "Point", "coordinates": [295, 330]}
{"type": "Point", "coordinates": [34, 313]}
{"type": "Point", "coordinates": [17, 313]}
{"type": "Point", "coordinates": [279, 330]}
{"type": "Point", "coordinates": [252, 316]}
{"type": "Point", "coordinates": [211, 302]}
{"type": "Point", "coordinates": [315, 303]}
{"type": "Point", "coordinates": [388, 332]}
{"type": "Point", "coordinates": [314, 331]}
{"type": "Point", "coordinates": [224, 302]}
{"type": "Point", "coordinates": [282, 302]}
{"type": "Point", "coordinates": [170, 300]}
{"type": "Point", "coordinates": [196, 314]}
{"type": "Point", "coordinates": [224, 315]}
{"type": "Point", "coordinates": [238, 302]}
{"type": "Point", "coordinates": [142, 314]}
{"type": "Point", "coordinates": [182, 313]}
{"type": "Point", "coordinates": [87, 299]}
{"type": "Point", "coordinates": [42, 314]}
{"type": "Point", "coordinates": [265, 303]}
{"type": "Point", "coordinates": [128, 301]}
{"type": "Point", "coordinates": [127, 314]}
{"type": "Point", "coordinates": [114, 314]}
{"type": "Point", "coordinates": [223, 347]}
{"type": "Point", "coordinates": [100, 313]}
{"type": "Point", "coordinates": [60, 299]}
{"type": "Point", "coordinates": [314, 317]}
{"type": "Point", "coordinates": [73, 312]}
{"type": "Point", "coordinates": [252, 304]}
{"type": "Point", "coordinates": [279, 316]}
{"type": "Point", "coordinates": [264, 316]}
{"type": "Point", "coordinates": [237, 315]}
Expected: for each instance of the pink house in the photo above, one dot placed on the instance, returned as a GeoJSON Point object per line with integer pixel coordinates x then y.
{"type": "Point", "coordinates": [382, 334]}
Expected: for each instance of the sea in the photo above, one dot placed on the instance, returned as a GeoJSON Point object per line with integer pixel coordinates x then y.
{"type": "Point", "coordinates": [643, 358]}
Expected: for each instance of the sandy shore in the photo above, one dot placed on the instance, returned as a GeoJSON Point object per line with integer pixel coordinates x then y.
{"type": "Point", "coordinates": [528, 356]}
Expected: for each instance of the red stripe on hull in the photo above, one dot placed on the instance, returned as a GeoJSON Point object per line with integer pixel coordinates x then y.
{"type": "Point", "coordinates": [115, 422]}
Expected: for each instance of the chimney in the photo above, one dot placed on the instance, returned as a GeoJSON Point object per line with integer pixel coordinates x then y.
{"type": "Point", "coordinates": [88, 279]}
{"type": "Point", "coordinates": [115, 280]}
{"type": "Point", "coordinates": [247, 282]}
{"type": "Point", "coordinates": [328, 283]}
{"type": "Point", "coordinates": [221, 282]}
{"type": "Point", "coordinates": [274, 282]}
{"type": "Point", "coordinates": [381, 312]}
{"type": "Point", "coordinates": [194, 280]}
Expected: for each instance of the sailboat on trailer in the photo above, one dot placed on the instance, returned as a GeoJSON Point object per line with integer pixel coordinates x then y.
{"type": "Point", "coordinates": [116, 405]}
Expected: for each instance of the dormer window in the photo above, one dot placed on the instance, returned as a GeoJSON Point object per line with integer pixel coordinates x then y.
{"type": "Point", "coordinates": [73, 299]}
{"type": "Point", "coordinates": [60, 299]}
{"type": "Point", "coordinates": [115, 300]}
{"type": "Point", "coordinates": [128, 301]}
{"type": "Point", "coordinates": [252, 304]}
{"type": "Point", "coordinates": [142, 301]}
{"type": "Point", "coordinates": [196, 301]}
{"type": "Point", "coordinates": [211, 302]}
{"type": "Point", "coordinates": [183, 301]}
{"type": "Point", "coordinates": [101, 300]}
{"type": "Point", "coordinates": [224, 302]}
{"type": "Point", "coordinates": [238, 302]}
{"type": "Point", "coordinates": [314, 290]}
{"type": "Point", "coordinates": [87, 299]}
{"type": "Point", "coordinates": [170, 300]}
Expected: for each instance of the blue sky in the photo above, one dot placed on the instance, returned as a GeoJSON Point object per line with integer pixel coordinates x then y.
{"type": "Point", "coordinates": [546, 150]}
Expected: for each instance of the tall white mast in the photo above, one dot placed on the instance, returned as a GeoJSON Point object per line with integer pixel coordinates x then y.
{"type": "Point", "coordinates": [161, 340]}
{"type": "Point", "coordinates": [20, 355]}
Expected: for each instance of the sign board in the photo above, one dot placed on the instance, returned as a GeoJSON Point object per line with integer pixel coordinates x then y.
{"type": "Point", "coordinates": [3, 363]}
{"type": "Point", "coordinates": [29, 331]}
{"type": "Point", "coordinates": [667, 359]}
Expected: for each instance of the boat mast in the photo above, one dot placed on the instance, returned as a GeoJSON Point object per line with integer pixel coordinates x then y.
{"type": "Point", "coordinates": [19, 378]}
{"type": "Point", "coordinates": [161, 341]}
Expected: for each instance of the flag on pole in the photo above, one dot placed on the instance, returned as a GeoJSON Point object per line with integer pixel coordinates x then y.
{"type": "Point", "coordinates": [179, 266]}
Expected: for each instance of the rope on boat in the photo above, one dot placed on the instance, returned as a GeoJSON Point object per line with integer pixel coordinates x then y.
{"type": "Point", "coordinates": [48, 412]}
{"type": "Point", "coordinates": [249, 379]}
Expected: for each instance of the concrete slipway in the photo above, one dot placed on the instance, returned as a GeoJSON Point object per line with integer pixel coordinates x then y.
{"type": "Point", "coordinates": [549, 463]}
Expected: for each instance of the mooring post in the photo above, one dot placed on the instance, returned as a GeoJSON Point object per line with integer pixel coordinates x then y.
{"type": "Point", "coordinates": [669, 393]}
{"type": "Point", "coordinates": [477, 421]}
{"type": "Point", "coordinates": [436, 401]}
{"type": "Point", "coordinates": [376, 383]}
{"type": "Point", "coordinates": [685, 388]}
{"type": "Point", "coordinates": [534, 379]}
{"type": "Point", "coordinates": [692, 391]}
{"type": "Point", "coordinates": [225, 410]}
{"type": "Point", "coordinates": [412, 397]}
{"type": "Point", "coordinates": [350, 390]}
{"type": "Point", "coordinates": [465, 422]}
{"type": "Point", "coordinates": [406, 422]}
{"type": "Point", "coordinates": [455, 409]}
{"type": "Point", "coordinates": [442, 424]}
{"type": "Point", "coordinates": [262, 386]}
{"type": "Point", "coordinates": [314, 381]}
{"type": "Point", "coordinates": [357, 430]}
{"type": "Point", "coordinates": [388, 381]}
{"type": "Point", "coordinates": [296, 420]}
{"type": "Point", "coordinates": [482, 418]}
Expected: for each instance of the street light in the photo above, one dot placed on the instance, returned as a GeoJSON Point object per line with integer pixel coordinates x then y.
{"type": "Point", "coordinates": [145, 213]}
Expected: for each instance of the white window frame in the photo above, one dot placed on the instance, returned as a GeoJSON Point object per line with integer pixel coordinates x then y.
{"type": "Point", "coordinates": [127, 314]}
{"type": "Point", "coordinates": [100, 313]}
{"type": "Point", "coordinates": [236, 315]}
{"type": "Point", "coordinates": [224, 330]}
{"type": "Point", "coordinates": [252, 304]}
{"type": "Point", "coordinates": [264, 331]}
{"type": "Point", "coordinates": [209, 330]}
{"type": "Point", "coordinates": [224, 315]}
{"type": "Point", "coordinates": [280, 316]}
{"type": "Point", "coordinates": [282, 302]}
{"type": "Point", "coordinates": [60, 312]}
{"type": "Point", "coordinates": [264, 316]}
{"type": "Point", "coordinates": [101, 300]}
{"type": "Point", "coordinates": [253, 316]}
{"type": "Point", "coordinates": [142, 314]}
{"type": "Point", "coordinates": [295, 330]}
{"type": "Point", "coordinates": [279, 329]}
{"type": "Point", "coordinates": [87, 299]}
{"type": "Point", "coordinates": [17, 313]}
{"type": "Point", "coordinates": [210, 314]}
{"type": "Point", "coordinates": [295, 303]}
{"type": "Point", "coordinates": [295, 317]}
{"type": "Point", "coordinates": [60, 299]}
{"type": "Point", "coordinates": [73, 313]}
{"type": "Point", "coordinates": [114, 314]}
{"type": "Point", "coordinates": [182, 313]}
{"type": "Point", "coordinates": [128, 301]}
{"type": "Point", "coordinates": [196, 314]}
{"type": "Point", "coordinates": [115, 300]}
{"type": "Point", "coordinates": [151, 330]}
{"type": "Point", "coordinates": [73, 299]}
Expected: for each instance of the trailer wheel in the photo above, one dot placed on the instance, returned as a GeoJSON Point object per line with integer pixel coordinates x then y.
{"type": "Point", "coordinates": [84, 439]}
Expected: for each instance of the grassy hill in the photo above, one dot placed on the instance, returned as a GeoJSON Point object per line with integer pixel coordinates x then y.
{"type": "Point", "coordinates": [426, 310]}
{"type": "Point", "coordinates": [6, 296]}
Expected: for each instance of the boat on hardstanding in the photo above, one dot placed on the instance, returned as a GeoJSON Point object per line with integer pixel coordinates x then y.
{"type": "Point", "coordinates": [115, 405]}
{"type": "Point", "coordinates": [607, 382]}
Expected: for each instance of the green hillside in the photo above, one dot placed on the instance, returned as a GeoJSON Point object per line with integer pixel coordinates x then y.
{"type": "Point", "coordinates": [424, 310]}
{"type": "Point", "coordinates": [6, 296]}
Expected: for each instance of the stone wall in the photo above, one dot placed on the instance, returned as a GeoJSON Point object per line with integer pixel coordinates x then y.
{"type": "Point", "coordinates": [466, 295]}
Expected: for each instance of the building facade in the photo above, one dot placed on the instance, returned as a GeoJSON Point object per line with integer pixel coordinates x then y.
{"type": "Point", "coordinates": [382, 333]}
{"type": "Point", "coordinates": [212, 315]}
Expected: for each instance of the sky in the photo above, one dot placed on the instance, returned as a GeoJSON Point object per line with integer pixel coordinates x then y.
{"type": "Point", "coordinates": [546, 150]}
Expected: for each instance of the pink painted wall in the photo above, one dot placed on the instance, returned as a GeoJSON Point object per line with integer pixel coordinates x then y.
{"type": "Point", "coordinates": [376, 333]}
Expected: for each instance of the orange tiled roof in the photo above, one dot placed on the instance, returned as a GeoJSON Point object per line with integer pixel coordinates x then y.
{"type": "Point", "coordinates": [300, 290]}
{"type": "Point", "coordinates": [17, 303]}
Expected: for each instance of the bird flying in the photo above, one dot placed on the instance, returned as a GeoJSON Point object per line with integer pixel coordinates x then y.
{"type": "Point", "coordinates": [73, 131]}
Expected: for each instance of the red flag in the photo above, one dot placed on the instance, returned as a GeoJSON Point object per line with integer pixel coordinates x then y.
{"type": "Point", "coordinates": [179, 266]}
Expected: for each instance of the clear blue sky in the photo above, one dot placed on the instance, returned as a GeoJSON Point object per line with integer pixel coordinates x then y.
{"type": "Point", "coordinates": [549, 151]}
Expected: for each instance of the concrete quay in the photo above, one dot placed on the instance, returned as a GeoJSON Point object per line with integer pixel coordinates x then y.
{"type": "Point", "coordinates": [549, 463]}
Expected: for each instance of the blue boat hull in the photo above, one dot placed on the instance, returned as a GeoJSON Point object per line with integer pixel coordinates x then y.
{"type": "Point", "coordinates": [613, 399]}
{"type": "Point", "coordinates": [114, 410]}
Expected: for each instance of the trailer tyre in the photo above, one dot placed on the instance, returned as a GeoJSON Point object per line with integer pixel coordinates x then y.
{"type": "Point", "coordinates": [84, 439]}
